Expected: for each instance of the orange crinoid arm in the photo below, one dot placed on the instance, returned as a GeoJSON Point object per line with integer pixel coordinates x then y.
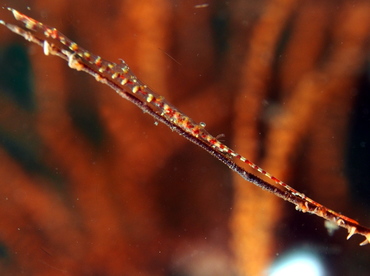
{"type": "Point", "coordinates": [120, 78]}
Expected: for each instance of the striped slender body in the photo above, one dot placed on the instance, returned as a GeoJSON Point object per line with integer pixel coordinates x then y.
{"type": "Point", "coordinates": [120, 75]}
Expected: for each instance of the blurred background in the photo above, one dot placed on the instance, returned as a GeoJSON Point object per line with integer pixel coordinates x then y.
{"type": "Point", "coordinates": [91, 186]}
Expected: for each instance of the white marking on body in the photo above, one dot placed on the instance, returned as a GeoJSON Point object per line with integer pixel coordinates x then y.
{"type": "Point", "coordinates": [135, 88]}
{"type": "Point", "coordinates": [46, 48]}
{"type": "Point", "coordinates": [97, 60]}
{"type": "Point", "coordinates": [74, 46]}
{"type": "Point", "coordinates": [102, 69]}
{"type": "Point", "coordinates": [351, 231]}
{"type": "Point", "coordinates": [73, 62]}
{"type": "Point", "coordinates": [149, 98]}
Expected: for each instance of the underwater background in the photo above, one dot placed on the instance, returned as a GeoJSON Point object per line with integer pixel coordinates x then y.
{"type": "Point", "coordinates": [89, 185]}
